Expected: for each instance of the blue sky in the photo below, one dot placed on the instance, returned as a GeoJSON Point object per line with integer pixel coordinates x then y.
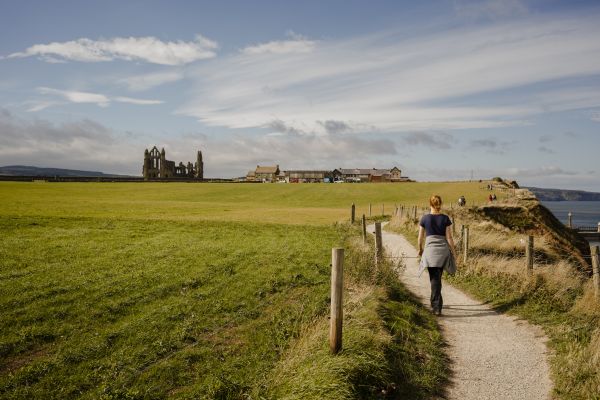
{"type": "Point", "coordinates": [441, 89]}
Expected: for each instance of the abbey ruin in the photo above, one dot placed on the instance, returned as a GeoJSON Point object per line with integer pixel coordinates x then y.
{"type": "Point", "coordinates": [156, 166]}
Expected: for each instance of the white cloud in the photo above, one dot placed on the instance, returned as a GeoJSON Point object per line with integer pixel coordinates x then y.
{"type": "Point", "coordinates": [77, 97]}
{"type": "Point", "coordinates": [136, 101]}
{"type": "Point", "coordinates": [149, 49]}
{"type": "Point", "coordinates": [296, 44]}
{"type": "Point", "coordinates": [148, 81]}
{"type": "Point", "coordinates": [85, 97]}
{"type": "Point", "coordinates": [391, 82]}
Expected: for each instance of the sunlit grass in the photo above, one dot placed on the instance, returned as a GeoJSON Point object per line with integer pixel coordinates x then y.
{"type": "Point", "coordinates": [314, 204]}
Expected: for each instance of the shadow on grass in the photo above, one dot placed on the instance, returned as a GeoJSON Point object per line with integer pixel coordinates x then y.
{"type": "Point", "coordinates": [417, 365]}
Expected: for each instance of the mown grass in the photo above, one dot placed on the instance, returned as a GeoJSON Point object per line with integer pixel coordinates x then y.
{"type": "Point", "coordinates": [138, 291]}
{"type": "Point", "coordinates": [557, 295]}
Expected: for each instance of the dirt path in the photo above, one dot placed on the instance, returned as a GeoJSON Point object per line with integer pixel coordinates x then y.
{"type": "Point", "coordinates": [493, 356]}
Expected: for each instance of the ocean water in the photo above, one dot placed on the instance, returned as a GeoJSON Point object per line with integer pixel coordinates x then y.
{"type": "Point", "coordinates": [585, 213]}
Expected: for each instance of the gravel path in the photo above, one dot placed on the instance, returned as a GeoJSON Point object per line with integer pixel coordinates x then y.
{"type": "Point", "coordinates": [494, 356]}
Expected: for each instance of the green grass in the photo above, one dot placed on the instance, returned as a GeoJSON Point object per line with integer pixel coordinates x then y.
{"type": "Point", "coordinates": [202, 291]}
{"type": "Point", "coordinates": [314, 204]}
{"type": "Point", "coordinates": [147, 308]}
{"type": "Point", "coordinates": [393, 348]}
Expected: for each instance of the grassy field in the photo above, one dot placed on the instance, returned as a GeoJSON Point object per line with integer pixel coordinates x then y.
{"type": "Point", "coordinates": [203, 291]}
{"type": "Point", "coordinates": [304, 204]}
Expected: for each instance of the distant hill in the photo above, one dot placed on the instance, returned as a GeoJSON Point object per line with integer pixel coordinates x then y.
{"type": "Point", "coordinates": [564, 195]}
{"type": "Point", "coordinates": [26, 170]}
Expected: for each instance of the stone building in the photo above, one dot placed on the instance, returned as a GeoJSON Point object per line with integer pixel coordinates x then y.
{"type": "Point", "coordinates": [264, 174]}
{"type": "Point", "coordinates": [156, 166]}
{"type": "Point", "coordinates": [308, 176]}
{"type": "Point", "coordinates": [370, 175]}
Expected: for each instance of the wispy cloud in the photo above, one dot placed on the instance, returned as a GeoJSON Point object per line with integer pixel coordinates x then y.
{"type": "Point", "coordinates": [148, 81]}
{"type": "Point", "coordinates": [547, 150]}
{"type": "Point", "coordinates": [475, 9]}
{"type": "Point", "coordinates": [491, 145]}
{"type": "Point", "coordinates": [142, 102]}
{"type": "Point", "coordinates": [85, 97]}
{"type": "Point", "coordinates": [148, 49]}
{"type": "Point", "coordinates": [434, 140]}
{"type": "Point", "coordinates": [295, 44]}
{"type": "Point", "coordinates": [397, 83]}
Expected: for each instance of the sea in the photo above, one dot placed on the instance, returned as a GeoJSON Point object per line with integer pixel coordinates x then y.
{"type": "Point", "coordinates": [585, 213]}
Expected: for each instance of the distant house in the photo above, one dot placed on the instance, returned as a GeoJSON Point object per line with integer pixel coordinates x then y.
{"type": "Point", "coordinates": [251, 176]}
{"type": "Point", "coordinates": [308, 176]}
{"type": "Point", "coordinates": [264, 174]}
{"type": "Point", "coordinates": [355, 175]}
{"type": "Point", "coordinates": [371, 175]}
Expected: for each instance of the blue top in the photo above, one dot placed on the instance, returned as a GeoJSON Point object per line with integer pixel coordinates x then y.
{"type": "Point", "coordinates": [435, 224]}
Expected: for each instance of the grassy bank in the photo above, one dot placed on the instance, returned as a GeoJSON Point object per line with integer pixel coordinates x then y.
{"type": "Point", "coordinates": [392, 345]}
{"type": "Point", "coordinates": [557, 295]}
{"type": "Point", "coordinates": [111, 293]}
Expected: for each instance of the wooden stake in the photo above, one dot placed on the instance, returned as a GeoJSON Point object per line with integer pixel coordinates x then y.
{"type": "Point", "coordinates": [382, 209]}
{"type": "Point", "coordinates": [364, 229]}
{"type": "Point", "coordinates": [378, 244]}
{"type": "Point", "coordinates": [596, 270]}
{"type": "Point", "coordinates": [529, 254]}
{"type": "Point", "coordinates": [353, 212]}
{"type": "Point", "coordinates": [465, 243]}
{"type": "Point", "coordinates": [337, 288]}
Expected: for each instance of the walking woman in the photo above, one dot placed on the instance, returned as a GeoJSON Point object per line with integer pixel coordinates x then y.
{"type": "Point", "coordinates": [438, 254]}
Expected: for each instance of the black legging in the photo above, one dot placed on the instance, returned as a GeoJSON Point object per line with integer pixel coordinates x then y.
{"type": "Point", "coordinates": [435, 278]}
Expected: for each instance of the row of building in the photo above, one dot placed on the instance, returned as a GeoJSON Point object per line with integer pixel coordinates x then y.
{"type": "Point", "coordinates": [275, 174]}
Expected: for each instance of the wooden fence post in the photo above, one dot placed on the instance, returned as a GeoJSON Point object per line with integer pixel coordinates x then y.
{"type": "Point", "coordinates": [596, 270]}
{"type": "Point", "coordinates": [364, 229]}
{"type": "Point", "coordinates": [369, 210]}
{"type": "Point", "coordinates": [378, 244]}
{"type": "Point", "coordinates": [353, 212]}
{"type": "Point", "coordinates": [529, 254]}
{"type": "Point", "coordinates": [570, 221]}
{"type": "Point", "coordinates": [465, 243]}
{"type": "Point", "coordinates": [402, 209]}
{"type": "Point", "coordinates": [337, 288]}
{"type": "Point", "coordinates": [415, 213]}
{"type": "Point", "coordinates": [383, 209]}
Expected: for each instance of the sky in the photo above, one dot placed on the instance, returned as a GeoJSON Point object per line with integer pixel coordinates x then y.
{"type": "Point", "coordinates": [444, 90]}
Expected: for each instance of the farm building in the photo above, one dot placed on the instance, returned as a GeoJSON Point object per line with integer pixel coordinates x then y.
{"type": "Point", "coordinates": [264, 174]}
{"type": "Point", "coordinates": [371, 175]}
{"type": "Point", "coordinates": [308, 176]}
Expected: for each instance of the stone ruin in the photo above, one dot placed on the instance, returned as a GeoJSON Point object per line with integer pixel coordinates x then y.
{"type": "Point", "coordinates": [156, 166]}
